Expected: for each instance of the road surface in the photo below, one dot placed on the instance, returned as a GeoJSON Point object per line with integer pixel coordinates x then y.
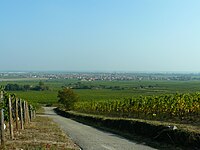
{"type": "Point", "coordinates": [90, 138]}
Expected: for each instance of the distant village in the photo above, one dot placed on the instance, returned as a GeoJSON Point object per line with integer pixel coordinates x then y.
{"type": "Point", "coordinates": [98, 76]}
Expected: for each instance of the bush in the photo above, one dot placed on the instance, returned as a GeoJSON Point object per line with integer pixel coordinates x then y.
{"type": "Point", "coordinates": [67, 98]}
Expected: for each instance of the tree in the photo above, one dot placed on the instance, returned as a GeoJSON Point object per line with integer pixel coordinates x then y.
{"type": "Point", "coordinates": [41, 87]}
{"type": "Point", "coordinates": [26, 87]}
{"type": "Point", "coordinates": [67, 97]}
{"type": "Point", "coordinates": [13, 87]}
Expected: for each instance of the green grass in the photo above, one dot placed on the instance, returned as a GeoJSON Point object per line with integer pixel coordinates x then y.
{"type": "Point", "coordinates": [41, 97]}
{"type": "Point", "coordinates": [130, 89]}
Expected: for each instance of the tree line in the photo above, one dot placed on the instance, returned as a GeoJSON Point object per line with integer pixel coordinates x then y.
{"type": "Point", "coordinates": [16, 87]}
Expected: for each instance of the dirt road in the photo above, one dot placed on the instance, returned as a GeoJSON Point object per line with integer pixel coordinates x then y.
{"type": "Point", "coordinates": [89, 138]}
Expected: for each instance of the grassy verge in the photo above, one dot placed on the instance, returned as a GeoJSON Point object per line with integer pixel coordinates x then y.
{"type": "Point", "coordinates": [172, 134]}
{"type": "Point", "coordinates": [41, 134]}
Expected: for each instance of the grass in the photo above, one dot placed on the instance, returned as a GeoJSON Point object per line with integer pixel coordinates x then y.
{"type": "Point", "coordinates": [41, 97]}
{"type": "Point", "coordinates": [41, 134]}
{"type": "Point", "coordinates": [182, 126]}
{"type": "Point", "coordinates": [129, 89]}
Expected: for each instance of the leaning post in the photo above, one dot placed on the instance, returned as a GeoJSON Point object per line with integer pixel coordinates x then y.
{"type": "Point", "coordinates": [31, 112]}
{"type": "Point", "coordinates": [2, 120]}
{"type": "Point", "coordinates": [27, 111]}
{"type": "Point", "coordinates": [10, 118]}
{"type": "Point", "coordinates": [25, 114]}
{"type": "Point", "coordinates": [21, 114]}
{"type": "Point", "coordinates": [16, 114]}
{"type": "Point", "coordinates": [34, 113]}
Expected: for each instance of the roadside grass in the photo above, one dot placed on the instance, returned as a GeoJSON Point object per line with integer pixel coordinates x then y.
{"type": "Point", "coordinates": [192, 127]}
{"type": "Point", "coordinates": [41, 134]}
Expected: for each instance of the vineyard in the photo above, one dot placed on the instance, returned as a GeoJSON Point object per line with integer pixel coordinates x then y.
{"type": "Point", "coordinates": [159, 101]}
{"type": "Point", "coordinates": [14, 113]}
{"type": "Point", "coordinates": [164, 107]}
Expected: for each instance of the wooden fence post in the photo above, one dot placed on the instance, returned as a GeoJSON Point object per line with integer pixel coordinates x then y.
{"type": "Point", "coordinates": [21, 114]}
{"type": "Point", "coordinates": [16, 114]}
{"type": "Point", "coordinates": [27, 111]}
{"type": "Point", "coordinates": [34, 114]}
{"type": "Point", "coordinates": [25, 114]}
{"type": "Point", "coordinates": [10, 118]}
{"type": "Point", "coordinates": [2, 121]}
{"type": "Point", "coordinates": [31, 112]}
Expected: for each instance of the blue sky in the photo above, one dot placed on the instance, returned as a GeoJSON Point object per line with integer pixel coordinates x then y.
{"type": "Point", "coordinates": [100, 35]}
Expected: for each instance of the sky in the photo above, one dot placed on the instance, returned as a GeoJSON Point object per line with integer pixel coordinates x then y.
{"type": "Point", "coordinates": [100, 35]}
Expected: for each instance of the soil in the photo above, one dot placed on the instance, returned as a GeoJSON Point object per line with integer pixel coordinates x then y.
{"type": "Point", "coordinates": [41, 134]}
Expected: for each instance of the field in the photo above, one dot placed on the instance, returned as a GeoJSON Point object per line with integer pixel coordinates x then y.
{"type": "Point", "coordinates": [149, 99]}
{"type": "Point", "coordinates": [159, 102]}
{"type": "Point", "coordinates": [113, 90]}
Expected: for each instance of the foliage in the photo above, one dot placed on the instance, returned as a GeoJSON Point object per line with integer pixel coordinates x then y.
{"type": "Point", "coordinates": [13, 87]}
{"type": "Point", "coordinates": [177, 106]}
{"type": "Point", "coordinates": [16, 87]}
{"type": "Point", "coordinates": [67, 97]}
{"type": "Point", "coordinates": [4, 104]}
{"type": "Point", "coordinates": [159, 100]}
{"type": "Point", "coordinates": [104, 90]}
{"type": "Point", "coordinates": [41, 97]}
{"type": "Point", "coordinates": [41, 87]}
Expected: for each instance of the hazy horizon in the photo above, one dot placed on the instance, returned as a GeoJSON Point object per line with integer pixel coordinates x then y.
{"type": "Point", "coordinates": [132, 72]}
{"type": "Point", "coordinates": [100, 36]}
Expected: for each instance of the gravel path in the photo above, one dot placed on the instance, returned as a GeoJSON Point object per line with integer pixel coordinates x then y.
{"type": "Point", "coordinates": [89, 138]}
